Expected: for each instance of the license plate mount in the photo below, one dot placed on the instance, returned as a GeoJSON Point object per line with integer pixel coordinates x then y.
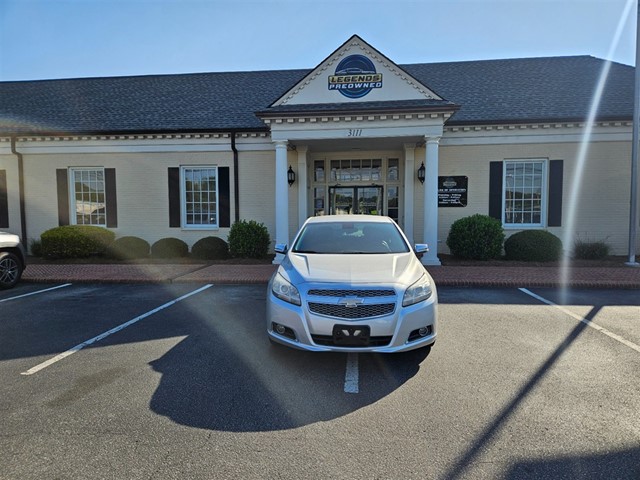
{"type": "Point", "coordinates": [351, 335]}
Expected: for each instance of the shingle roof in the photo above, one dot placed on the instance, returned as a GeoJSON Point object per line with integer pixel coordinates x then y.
{"type": "Point", "coordinates": [529, 90]}
{"type": "Point", "coordinates": [490, 91]}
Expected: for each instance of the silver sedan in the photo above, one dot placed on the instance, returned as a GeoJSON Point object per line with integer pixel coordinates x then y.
{"type": "Point", "coordinates": [352, 283]}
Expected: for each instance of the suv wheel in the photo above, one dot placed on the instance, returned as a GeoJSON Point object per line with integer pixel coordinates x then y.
{"type": "Point", "coordinates": [10, 269]}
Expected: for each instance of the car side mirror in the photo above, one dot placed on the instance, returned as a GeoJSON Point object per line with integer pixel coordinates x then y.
{"type": "Point", "coordinates": [281, 248]}
{"type": "Point", "coordinates": [420, 249]}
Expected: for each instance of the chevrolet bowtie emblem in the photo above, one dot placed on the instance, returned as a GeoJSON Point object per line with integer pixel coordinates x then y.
{"type": "Point", "coordinates": [351, 302]}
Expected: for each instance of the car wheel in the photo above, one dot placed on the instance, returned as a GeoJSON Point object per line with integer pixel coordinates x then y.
{"type": "Point", "coordinates": [10, 270]}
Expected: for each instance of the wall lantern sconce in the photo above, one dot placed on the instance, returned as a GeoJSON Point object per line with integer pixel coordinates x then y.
{"type": "Point", "coordinates": [421, 173]}
{"type": "Point", "coordinates": [291, 176]}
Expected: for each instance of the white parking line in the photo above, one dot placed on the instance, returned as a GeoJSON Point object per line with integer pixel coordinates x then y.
{"type": "Point", "coordinates": [588, 323]}
{"type": "Point", "coordinates": [34, 293]}
{"type": "Point", "coordinates": [86, 343]}
{"type": "Point", "coordinates": [351, 375]}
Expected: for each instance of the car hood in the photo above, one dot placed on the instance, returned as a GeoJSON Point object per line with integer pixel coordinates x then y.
{"type": "Point", "coordinates": [401, 268]}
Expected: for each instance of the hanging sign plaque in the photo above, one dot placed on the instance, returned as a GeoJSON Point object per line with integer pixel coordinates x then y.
{"type": "Point", "coordinates": [452, 191]}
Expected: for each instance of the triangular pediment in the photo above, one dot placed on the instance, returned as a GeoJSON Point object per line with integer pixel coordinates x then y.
{"type": "Point", "coordinates": [356, 72]}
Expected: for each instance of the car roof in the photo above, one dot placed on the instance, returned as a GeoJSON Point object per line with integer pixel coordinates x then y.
{"type": "Point", "coordinates": [349, 218]}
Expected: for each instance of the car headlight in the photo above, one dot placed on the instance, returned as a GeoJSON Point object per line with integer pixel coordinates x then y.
{"type": "Point", "coordinates": [285, 291]}
{"type": "Point", "coordinates": [418, 292]}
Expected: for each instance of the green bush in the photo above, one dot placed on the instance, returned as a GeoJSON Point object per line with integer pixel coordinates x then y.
{"type": "Point", "coordinates": [127, 248]}
{"type": "Point", "coordinates": [75, 241]}
{"type": "Point", "coordinates": [210, 248]}
{"type": "Point", "coordinates": [590, 250]}
{"type": "Point", "coordinates": [478, 237]}
{"type": "Point", "coordinates": [169, 248]}
{"type": "Point", "coordinates": [533, 246]}
{"type": "Point", "coordinates": [35, 247]}
{"type": "Point", "coordinates": [248, 239]}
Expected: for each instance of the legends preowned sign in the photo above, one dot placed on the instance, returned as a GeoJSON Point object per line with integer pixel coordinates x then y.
{"type": "Point", "coordinates": [355, 77]}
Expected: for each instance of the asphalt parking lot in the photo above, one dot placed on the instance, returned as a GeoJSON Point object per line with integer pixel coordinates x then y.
{"type": "Point", "coordinates": [180, 381]}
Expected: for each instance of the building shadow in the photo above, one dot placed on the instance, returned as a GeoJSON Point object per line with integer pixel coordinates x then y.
{"type": "Point", "coordinates": [619, 465]}
{"type": "Point", "coordinates": [486, 437]}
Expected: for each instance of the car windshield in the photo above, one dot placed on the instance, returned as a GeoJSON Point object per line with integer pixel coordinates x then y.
{"type": "Point", "coordinates": [349, 238]}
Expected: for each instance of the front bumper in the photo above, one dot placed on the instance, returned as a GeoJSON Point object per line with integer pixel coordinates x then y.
{"type": "Point", "coordinates": [390, 333]}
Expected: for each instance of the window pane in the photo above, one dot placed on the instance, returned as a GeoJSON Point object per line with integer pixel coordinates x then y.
{"type": "Point", "coordinates": [200, 196]}
{"type": "Point", "coordinates": [89, 196]}
{"type": "Point", "coordinates": [392, 169]}
{"type": "Point", "coordinates": [523, 192]}
{"type": "Point", "coordinates": [366, 170]}
{"type": "Point", "coordinates": [335, 170]}
{"type": "Point", "coordinates": [318, 171]}
{"type": "Point", "coordinates": [376, 169]}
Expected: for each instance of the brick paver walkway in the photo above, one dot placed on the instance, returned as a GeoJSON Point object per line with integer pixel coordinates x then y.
{"type": "Point", "coordinates": [491, 276]}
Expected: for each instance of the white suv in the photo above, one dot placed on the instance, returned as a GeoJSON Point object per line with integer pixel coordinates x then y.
{"type": "Point", "coordinates": [12, 259]}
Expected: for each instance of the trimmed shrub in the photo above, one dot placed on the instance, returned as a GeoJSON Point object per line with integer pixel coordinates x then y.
{"type": "Point", "coordinates": [75, 241]}
{"type": "Point", "coordinates": [210, 248]}
{"type": "Point", "coordinates": [590, 250]}
{"type": "Point", "coordinates": [127, 248]}
{"type": "Point", "coordinates": [35, 247]}
{"type": "Point", "coordinates": [533, 246]}
{"type": "Point", "coordinates": [169, 248]}
{"type": "Point", "coordinates": [478, 237]}
{"type": "Point", "coordinates": [248, 239]}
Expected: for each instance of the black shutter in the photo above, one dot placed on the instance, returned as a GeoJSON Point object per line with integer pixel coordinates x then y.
{"type": "Point", "coordinates": [4, 200]}
{"type": "Point", "coordinates": [495, 190]}
{"type": "Point", "coordinates": [62, 184]}
{"type": "Point", "coordinates": [224, 197]}
{"type": "Point", "coordinates": [111, 197]}
{"type": "Point", "coordinates": [554, 211]}
{"type": "Point", "coordinates": [174, 197]}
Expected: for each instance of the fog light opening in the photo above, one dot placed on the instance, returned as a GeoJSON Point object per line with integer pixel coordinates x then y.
{"type": "Point", "coordinates": [282, 330]}
{"type": "Point", "coordinates": [420, 333]}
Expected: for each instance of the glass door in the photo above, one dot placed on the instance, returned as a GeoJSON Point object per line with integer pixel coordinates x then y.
{"type": "Point", "coordinates": [355, 200]}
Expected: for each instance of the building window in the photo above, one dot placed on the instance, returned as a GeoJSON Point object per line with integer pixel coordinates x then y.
{"type": "Point", "coordinates": [524, 193]}
{"type": "Point", "coordinates": [199, 197]}
{"type": "Point", "coordinates": [88, 196]}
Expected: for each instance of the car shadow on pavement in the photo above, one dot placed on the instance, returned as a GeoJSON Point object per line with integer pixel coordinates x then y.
{"type": "Point", "coordinates": [210, 382]}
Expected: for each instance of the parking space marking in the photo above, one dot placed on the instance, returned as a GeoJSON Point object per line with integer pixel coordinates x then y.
{"type": "Point", "coordinates": [86, 343]}
{"type": "Point", "coordinates": [351, 375]}
{"type": "Point", "coordinates": [588, 323]}
{"type": "Point", "coordinates": [34, 293]}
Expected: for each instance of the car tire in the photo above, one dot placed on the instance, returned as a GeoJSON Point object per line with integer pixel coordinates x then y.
{"type": "Point", "coordinates": [10, 269]}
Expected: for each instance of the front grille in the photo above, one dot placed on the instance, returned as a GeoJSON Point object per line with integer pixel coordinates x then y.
{"type": "Point", "coordinates": [361, 311]}
{"type": "Point", "coordinates": [353, 293]}
{"type": "Point", "coordinates": [327, 341]}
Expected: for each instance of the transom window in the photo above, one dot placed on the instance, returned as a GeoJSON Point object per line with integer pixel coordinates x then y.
{"type": "Point", "coordinates": [524, 197]}
{"type": "Point", "coordinates": [88, 196]}
{"type": "Point", "coordinates": [350, 177]}
{"type": "Point", "coordinates": [199, 197]}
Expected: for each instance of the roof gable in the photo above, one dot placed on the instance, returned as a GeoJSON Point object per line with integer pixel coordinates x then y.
{"type": "Point", "coordinates": [356, 72]}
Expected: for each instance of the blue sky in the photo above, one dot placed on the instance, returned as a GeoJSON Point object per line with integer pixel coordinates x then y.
{"type": "Point", "coordinates": [42, 39]}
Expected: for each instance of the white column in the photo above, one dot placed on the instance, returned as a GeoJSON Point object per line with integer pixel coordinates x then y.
{"type": "Point", "coordinates": [301, 180]}
{"type": "Point", "coordinates": [430, 234]}
{"type": "Point", "coordinates": [282, 197]}
{"type": "Point", "coordinates": [409, 183]}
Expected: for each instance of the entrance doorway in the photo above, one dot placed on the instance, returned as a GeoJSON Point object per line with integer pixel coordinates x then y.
{"type": "Point", "coordinates": [355, 200]}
